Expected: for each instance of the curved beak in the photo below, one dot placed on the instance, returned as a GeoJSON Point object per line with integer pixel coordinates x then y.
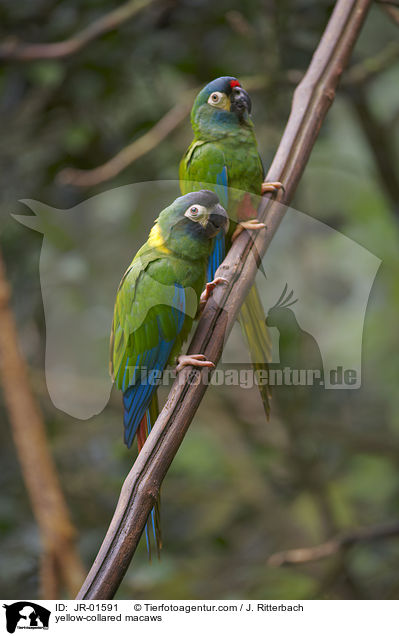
{"type": "Point", "coordinates": [218, 220]}
{"type": "Point", "coordinates": [240, 101]}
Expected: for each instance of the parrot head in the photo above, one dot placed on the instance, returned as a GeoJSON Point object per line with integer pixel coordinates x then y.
{"type": "Point", "coordinates": [189, 224]}
{"type": "Point", "coordinates": [221, 105]}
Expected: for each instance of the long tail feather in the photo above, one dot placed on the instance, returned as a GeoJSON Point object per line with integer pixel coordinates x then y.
{"type": "Point", "coordinates": [153, 525]}
{"type": "Point", "coordinates": [252, 317]}
{"type": "Point", "coordinates": [252, 321]}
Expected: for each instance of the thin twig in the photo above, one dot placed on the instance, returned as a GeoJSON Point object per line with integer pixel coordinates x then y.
{"type": "Point", "coordinates": [332, 547]}
{"type": "Point", "coordinates": [132, 152]}
{"type": "Point", "coordinates": [363, 72]}
{"type": "Point", "coordinates": [393, 13]}
{"type": "Point", "coordinates": [312, 99]}
{"type": "Point", "coordinates": [391, 9]}
{"type": "Point", "coordinates": [380, 140]}
{"type": "Point", "coordinates": [16, 50]}
{"type": "Point", "coordinates": [59, 557]}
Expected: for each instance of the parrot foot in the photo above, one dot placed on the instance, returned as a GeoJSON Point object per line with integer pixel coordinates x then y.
{"type": "Point", "coordinates": [193, 360]}
{"type": "Point", "coordinates": [209, 287]}
{"type": "Point", "coordinates": [252, 224]}
{"type": "Point", "coordinates": [271, 186]}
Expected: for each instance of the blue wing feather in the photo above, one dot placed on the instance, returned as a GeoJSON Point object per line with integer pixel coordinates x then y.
{"type": "Point", "coordinates": [219, 246]}
{"type": "Point", "coordinates": [221, 188]}
{"type": "Point", "coordinates": [217, 255]}
{"type": "Point", "coordinates": [136, 395]}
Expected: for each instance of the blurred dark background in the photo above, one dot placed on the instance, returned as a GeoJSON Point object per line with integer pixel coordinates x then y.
{"type": "Point", "coordinates": [240, 489]}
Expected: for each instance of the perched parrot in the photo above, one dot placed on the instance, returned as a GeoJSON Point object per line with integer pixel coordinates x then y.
{"type": "Point", "coordinates": [224, 152]}
{"type": "Point", "coordinates": [157, 300]}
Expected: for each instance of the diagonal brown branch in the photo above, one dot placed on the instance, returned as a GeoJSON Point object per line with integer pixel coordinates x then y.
{"type": "Point", "coordinates": [339, 543]}
{"type": "Point", "coordinates": [380, 140]}
{"type": "Point", "coordinates": [392, 9]}
{"type": "Point", "coordinates": [312, 99]}
{"type": "Point", "coordinates": [132, 152]}
{"type": "Point", "coordinates": [371, 67]}
{"type": "Point", "coordinates": [15, 50]}
{"type": "Point", "coordinates": [57, 532]}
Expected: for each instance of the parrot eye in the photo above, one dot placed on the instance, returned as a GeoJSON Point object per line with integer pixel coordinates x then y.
{"type": "Point", "coordinates": [195, 212]}
{"type": "Point", "coordinates": [215, 98]}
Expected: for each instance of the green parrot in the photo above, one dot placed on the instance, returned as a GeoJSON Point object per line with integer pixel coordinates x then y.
{"type": "Point", "coordinates": [224, 152]}
{"type": "Point", "coordinates": [157, 300]}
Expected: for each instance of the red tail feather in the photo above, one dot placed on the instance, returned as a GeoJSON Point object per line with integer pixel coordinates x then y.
{"type": "Point", "coordinates": [153, 525]}
{"type": "Point", "coordinates": [142, 433]}
{"type": "Point", "coordinates": [246, 209]}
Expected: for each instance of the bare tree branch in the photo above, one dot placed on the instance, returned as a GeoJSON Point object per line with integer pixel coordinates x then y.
{"type": "Point", "coordinates": [392, 10]}
{"type": "Point", "coordinates": [312, 99]}
{"type": "Point", "coordinates": [371, 67]}
{"type": "Point", "coordinates": [340, 542]}
{"type": "Point", "coordinates": [57, 532]}
{"type": "Point", "coordinates": [380, 140]}
{"type": "Point", "coordinates": [132, 152]}
{"type": "Point", "coordinates": [15, 50]}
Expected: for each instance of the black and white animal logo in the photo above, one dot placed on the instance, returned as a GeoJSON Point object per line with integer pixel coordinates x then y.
{"type": "Point", "coordinates": [26, 615]}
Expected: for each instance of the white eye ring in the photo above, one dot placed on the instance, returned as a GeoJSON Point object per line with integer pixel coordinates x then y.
{"type": "Point", "coordinates": [195, 212]}
{"type": "Point", "coordinates": [215, 98]}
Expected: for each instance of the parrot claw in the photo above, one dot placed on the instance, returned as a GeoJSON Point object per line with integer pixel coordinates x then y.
{"type": "Point", "coordinates": [271, 186]}
{"type": "Point", "coordinates": [209, 287]}
{"type": "Point", "coordinates": [193, 360]}
{"type": "Point", "coordinates": [252, 224]}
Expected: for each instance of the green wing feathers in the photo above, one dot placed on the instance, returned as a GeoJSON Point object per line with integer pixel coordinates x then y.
{"type": "Point", "coordinates": [200, 165]}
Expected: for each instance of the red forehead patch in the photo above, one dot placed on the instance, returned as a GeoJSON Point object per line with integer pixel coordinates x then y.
{"type": "Point", "coordinates": [234, 83]}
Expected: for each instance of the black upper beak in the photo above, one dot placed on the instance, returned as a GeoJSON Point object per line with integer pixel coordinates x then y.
{"type": "Point", "coordinates": [218, 220]}
{"type": "Point", "coordinates": [240, 101]}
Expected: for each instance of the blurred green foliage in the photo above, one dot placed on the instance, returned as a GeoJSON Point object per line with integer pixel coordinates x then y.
{"type": "Point", "coordinates": [239, 489]}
